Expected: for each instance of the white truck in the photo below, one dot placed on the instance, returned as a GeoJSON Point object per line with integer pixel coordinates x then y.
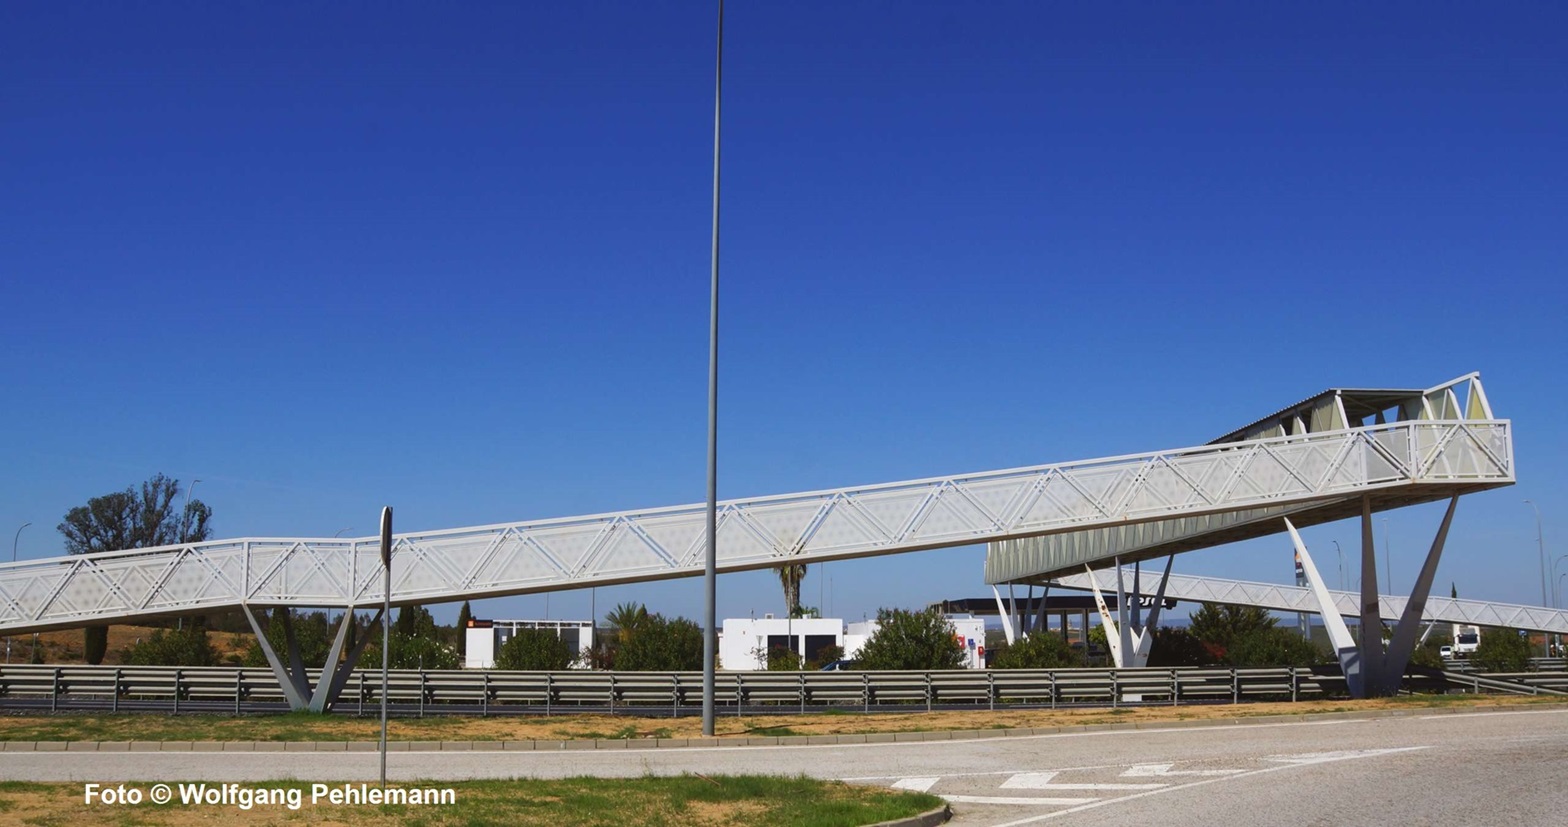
{"type": "Point", "coordinates": [1466, 639]}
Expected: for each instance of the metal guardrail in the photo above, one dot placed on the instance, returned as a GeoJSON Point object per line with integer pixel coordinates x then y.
{"type": "Point", "coordinates": [571, 691]}
{"type": "Point", "coordinates": [489, 691]}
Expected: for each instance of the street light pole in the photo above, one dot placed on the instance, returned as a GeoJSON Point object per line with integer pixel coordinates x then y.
{"type": "Point", "coordinates": [1388, 562]}
{"type": "Point", "coordinates": [14, 539]}
{"type": "Point", "coordinates": [13, 559]}
{"type": "Point", "coordinates": [710, 575]}
{"type": "Point", "coordinates": [1540, 542]}
{"type": "Point", "coordinates": [185, 520]}
{"type": "Point", "coordinates": [1341, 553]}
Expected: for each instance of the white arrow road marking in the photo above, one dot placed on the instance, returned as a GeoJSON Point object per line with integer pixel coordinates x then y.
{"type": "Point", "coordinates": [1159, 770]}
{"type": "Point", "coordinates": [1340, 755]}
{"type": "Point", "coordinates": [1286, 762]}
{"type": "Point", "coordinates": [918, 785]}
{"type": "Point", "coordinates": [994, 799]}
{"type": "Point", "coordinates": [1042, 781]}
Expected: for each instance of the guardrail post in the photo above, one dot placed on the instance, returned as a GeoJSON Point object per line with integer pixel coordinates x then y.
{"type": "Point", "coordinates": [990, 689]}
{"type": "Point", "coordinates": [802, 693]}
{"type": "Point", "coordinates": [177, 675]}
{"type": "Point", "coordinates": [549, 692]}
{"type": "Point", "coordinates": [740, 694]}
{"type": "Point", "coordinates": [54, 692]}
{"type": "Point", "coordinates": [865, 690]}
{"type": "Point", "coordinates": [362, 691]}
{"type": "Point", "coordinates": [1293, 684]}
{"type": "Point", "coordinates": [114, 703]}
{"type": "Point", "coordinates": [1052, 676]}
{"type": "Point", "coordinates": [484, 699]}
{"type": "Point", "coordinates": [930, 690]}
{"type": "Point", "coordinates": [421, 693]}
{"type": "Point", "coordinates": [239, 688]}
{"type": "Point", "coordinates": [612, 693]}
{"type": "Point", "coordinates": [1115, 690]}
{"type": "Point", "coordinates": [1235, 686]}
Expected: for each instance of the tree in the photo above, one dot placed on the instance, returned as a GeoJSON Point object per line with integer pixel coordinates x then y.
{"type": "Point", "coordinates": [790, 577]}
{"type": "Point", "coordinates": [129, 520]}
{"type": "Point", "coordinates": [1220, 625]}
{"type": "Point", "coordinates": [535, 650]}
{"type": "Point", "coordinates": [1501, 650]}
{"type": "Point", "coordinates": [1179, 647]}
{"type": "Point", "coordinates": [173, 647]}
{"type": "Point", "coordinates": [312, 636]}
{"type": "Point", "coordinates": [912, 640]}
{"type": "Point", "coordinates": [1040, 650]}
{"type": "Point", "coordinates": [415, 643]}
{"type": "Point", "coordinates": [658, 644]}
{"type": "Point", "coordinates": [464, 615]}
{"type": "Point", "coordinates": [1272, 646]}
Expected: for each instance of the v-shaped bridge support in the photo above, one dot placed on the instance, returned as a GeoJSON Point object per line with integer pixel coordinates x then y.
{"type": "Point", "coordinates": [294, 680]}
{"type": "Point", "coordinates": [1130, 639]}
{"type": "Point", "coordinates": [1371, 668]}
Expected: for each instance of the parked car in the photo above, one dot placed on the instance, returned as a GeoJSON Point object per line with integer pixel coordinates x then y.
{"type": "Point", "coordinates": [838, 666]}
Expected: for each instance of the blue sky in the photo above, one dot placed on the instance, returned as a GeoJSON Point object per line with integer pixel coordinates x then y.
{"type": "Point", "coordinates": [455, 258]}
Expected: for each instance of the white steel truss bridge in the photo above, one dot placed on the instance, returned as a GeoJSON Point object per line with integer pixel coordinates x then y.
{"type": "Point", "coordinates": [1322, 459]}
{"type": "Point", "coordinates": [1300, 599]}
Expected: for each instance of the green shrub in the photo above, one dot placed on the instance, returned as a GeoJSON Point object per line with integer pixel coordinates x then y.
{"type": "Point", "coordinates": [1040, 650]}
{"type": "Point", "coordinates": [1501, 650]}
{"type": "Point", "coordinates": [912, 640]}
{"type": "Point", "coordinates": [1272, 646]}
{"type": "Point", "coordinates": [1179, 647]}
{"type": "Point", "coordinates": [173, 647]}
{"type": "Point", "coordinates": [660, 644]}
{"type": "Point", "coordinates": [535, 650]}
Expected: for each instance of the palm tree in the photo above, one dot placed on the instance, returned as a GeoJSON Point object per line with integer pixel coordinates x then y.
{"type": "Point", "coordinates": [790, 577]}
{"type": "Point", "coordinates": [625, 619]}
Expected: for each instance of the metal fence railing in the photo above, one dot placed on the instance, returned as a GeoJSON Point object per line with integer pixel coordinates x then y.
{"type": "Point", "coordinates": [489, 691]}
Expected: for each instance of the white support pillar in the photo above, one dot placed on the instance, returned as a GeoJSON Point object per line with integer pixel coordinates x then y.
{"type": "Point", "coordinates": [1345, 648]}
{"type": "Point", "coordinates": [1112, 635]}
{"type": "Point", "coordinates": [1373, 669]}
{"type": "Point", "coordinates": [295, 681]}
{"type": "Point", "coordinates": [1001, 612]}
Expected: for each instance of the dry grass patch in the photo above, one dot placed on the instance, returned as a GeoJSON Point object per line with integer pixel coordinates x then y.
{"type": "Point", "coordinates": [308, 727]}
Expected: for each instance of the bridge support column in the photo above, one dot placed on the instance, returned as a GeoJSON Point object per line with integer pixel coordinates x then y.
{"type": "Point", "coordinates": [1371, 668]}
{"type": "Point", "coordinates": [1130, 639]}
{"type": "Point", "coordinates": [294, 680]}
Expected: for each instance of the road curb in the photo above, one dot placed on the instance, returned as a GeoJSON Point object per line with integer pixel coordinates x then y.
{"type": "Point", "coordinates": [751, 742]}
{"type": "Point", "coordinates": [929, 818]}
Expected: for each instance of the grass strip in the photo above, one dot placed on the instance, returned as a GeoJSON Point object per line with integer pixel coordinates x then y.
{"type": "Point", "coordinates": [305, 726]}
{"type": "Point", "coordinates": [716, 801]}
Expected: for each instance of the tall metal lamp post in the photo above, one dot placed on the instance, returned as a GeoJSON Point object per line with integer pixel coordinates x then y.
{"type": "Point", "coordinates": [13, 559]}
{"type": "Point", "coordinates": [710, 567]}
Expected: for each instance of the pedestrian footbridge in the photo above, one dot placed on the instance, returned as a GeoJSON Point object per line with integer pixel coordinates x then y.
{"type": "Point", "coordinates": [1337, 454]}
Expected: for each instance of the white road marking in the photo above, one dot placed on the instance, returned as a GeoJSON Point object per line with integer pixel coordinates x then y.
{"type": "Point", "coordinates": [1349, 755]}
{"type": "Point", "coordinates": [1162, 770]}
{"type": "Point", "coordinates": [1043, 781]}
{"type": "Point", "coordinates": [1338, 755]}
{"type": "Point", "coordinates": [996, 799]}
{"type": "Point", "coordinates": [1453, 715]}
{"type": "Point", "coordinates": [918, 785]}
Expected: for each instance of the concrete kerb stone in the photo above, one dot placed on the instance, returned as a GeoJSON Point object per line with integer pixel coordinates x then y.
{"type": "Point", "coordinates": [929, 818]}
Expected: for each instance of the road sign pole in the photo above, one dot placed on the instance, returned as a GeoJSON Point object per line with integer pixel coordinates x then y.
{"type": "Point", "coordinates": [386, 626]}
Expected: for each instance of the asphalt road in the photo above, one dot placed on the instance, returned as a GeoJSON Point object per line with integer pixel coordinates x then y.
{"type": "Point", "coordinates": [1447, 770]}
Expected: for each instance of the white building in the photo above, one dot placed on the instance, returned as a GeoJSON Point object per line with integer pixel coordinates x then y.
{"type": "Point", "coordinates": [744, 643]}
{"type": "Point", "coordinates": [486, 637]}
